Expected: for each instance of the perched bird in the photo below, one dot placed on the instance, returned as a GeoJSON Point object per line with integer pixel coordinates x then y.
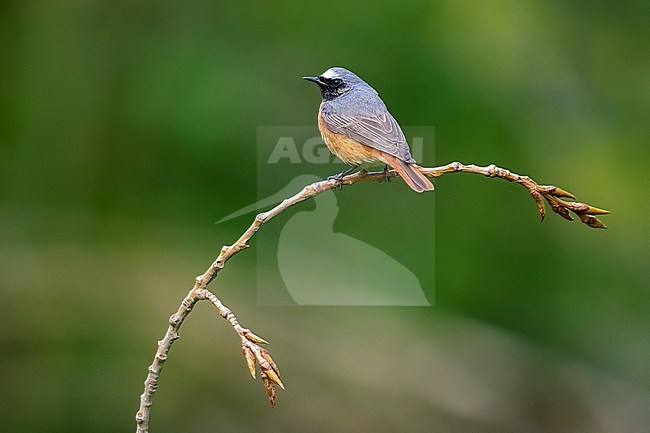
{"type": "Point", "coordinates": [357, 127]}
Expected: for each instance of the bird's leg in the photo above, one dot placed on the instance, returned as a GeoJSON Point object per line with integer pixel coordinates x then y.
{"type": "Point", "coordinates": [339, 177]}
{"type": "Point", "coordinates": [386, 178]}
{"type": "Point", "coordinates": [346, 172]}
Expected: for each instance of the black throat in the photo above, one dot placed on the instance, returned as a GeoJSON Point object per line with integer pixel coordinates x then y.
{"type": "Point", "coordinates": [332, 88]}
{"type": "Point", "coordinates": [328, 93]}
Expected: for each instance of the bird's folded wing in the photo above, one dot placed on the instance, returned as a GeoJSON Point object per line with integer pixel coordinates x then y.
{"type": "Point", "coordinates": [379, 131]}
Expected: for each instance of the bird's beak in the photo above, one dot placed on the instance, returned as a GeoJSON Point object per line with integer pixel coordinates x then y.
{"type": "Point", "coordinates": [313, 80]}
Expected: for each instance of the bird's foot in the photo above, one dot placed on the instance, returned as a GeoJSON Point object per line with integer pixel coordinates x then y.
{"type": "Point", "coordinates": [385, 171]}
{"type": "Point", "coordinates": [339, 177]}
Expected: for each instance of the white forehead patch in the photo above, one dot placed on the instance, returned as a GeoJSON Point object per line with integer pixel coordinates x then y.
{"type": "Point", "coordinates": [329, 73]}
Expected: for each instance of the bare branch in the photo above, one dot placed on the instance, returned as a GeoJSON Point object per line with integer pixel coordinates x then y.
{"type": "Point", "coordinates": [151, 383]}
{"type": "Point", "coordinates": [251, 349]}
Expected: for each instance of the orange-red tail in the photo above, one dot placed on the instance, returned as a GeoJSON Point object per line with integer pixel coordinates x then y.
{"type": "Point", "coordinates": [411, 175]}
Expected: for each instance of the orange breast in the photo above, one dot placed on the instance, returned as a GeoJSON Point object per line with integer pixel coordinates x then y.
{"type": "Point", "coordinates": [347, 149]}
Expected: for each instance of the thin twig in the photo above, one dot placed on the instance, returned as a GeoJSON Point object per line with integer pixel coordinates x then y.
{"type": "Point", "coordinates": [251, 349]}
{"type": "Point", "coordinates": [552, 194]}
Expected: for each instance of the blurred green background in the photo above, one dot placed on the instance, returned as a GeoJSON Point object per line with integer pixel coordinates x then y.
{"type": "Point", "coordinates": [128, 128]}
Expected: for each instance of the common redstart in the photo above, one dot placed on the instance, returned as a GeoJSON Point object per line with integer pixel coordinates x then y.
{"type": "Point", "coordinates": [357, 127]}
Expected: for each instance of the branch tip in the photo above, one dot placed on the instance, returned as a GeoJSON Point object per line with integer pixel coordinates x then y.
{"type": "Point", "coordinates": [270, 389]}
{"type": "Point", "coordinates": [597, 211]}
{"type": "Point", "coordinates": [274, 377]}
{"type": "Point", "coordinates": [254, 338]}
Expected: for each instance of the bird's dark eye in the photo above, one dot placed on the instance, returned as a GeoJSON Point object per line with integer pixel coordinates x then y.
{"type": "Point", "coordinates": [337, 82]}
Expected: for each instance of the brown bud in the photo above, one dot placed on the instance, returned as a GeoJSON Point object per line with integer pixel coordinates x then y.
{"type": "Point", "coordinates": [274, 377]}
{"type": "Point", "coordinates": [562, 211]}
{"type": "Point", "coordinates": [592, 221]}
{"type": "Point", "coordinates": [255, 339]}
{"type": "Point", "coordinates": [539, 201]}
{"type": "Point", "coordinates": [559, 192]}
{"type": "Point", "coordinates": [270, 389]}
{"type": "Point", "coordinates": [264, 364]}
{"type": "Point", "coordinates": [596, 211]}
{"type": "Point", "coordinates": [250, 359]}
{"type": "Point", "coordinates": [267, 356]}
{"type": "Point", "coordinates": [578, 207]}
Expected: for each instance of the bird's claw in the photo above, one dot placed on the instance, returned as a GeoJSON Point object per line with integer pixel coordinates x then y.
{"type": "Point", "coordinates": [338, 178]}
{"type": "Point", "coordinates": [385, 171]}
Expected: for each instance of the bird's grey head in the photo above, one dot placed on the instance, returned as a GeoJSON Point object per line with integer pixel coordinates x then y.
{"type": "Point", "coordinates": [336, 82]}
